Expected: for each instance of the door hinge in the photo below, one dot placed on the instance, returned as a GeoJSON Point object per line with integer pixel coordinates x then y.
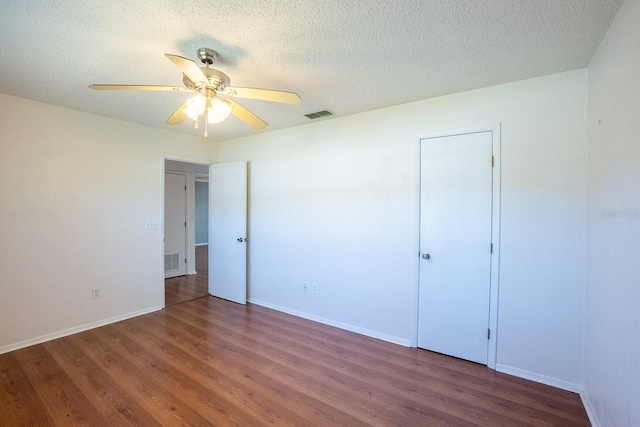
{"type": "Point", "coordinates": [185, 260]}
{"type": "Point", "coordinates": [492, 161]}
{"type": "Point", "coordinates": [488, 334]}
{"type": "Point", "coordinates": [185, 188]}
{"type": "Point", "coordinates": [492, 248]}
{"type": "Point", "coordinates": [185, 223]}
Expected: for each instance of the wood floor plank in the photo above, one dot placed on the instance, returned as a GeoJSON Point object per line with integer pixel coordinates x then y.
{"type": "Point", "coordinates": [113, 402]}
{"type": "Point", "coordinates": [212, 362]}
{"type": "Point", "coordinates": [343, 371]}
{"type": "Point", "coordinates": [471, 374]}
{"type": "Point", "coordinates": [476, 389]}
{"type": "Point", "coordinates": [572, 414]}
{"type": "Point", "coordinates": [64, 402]}
{"type": "Point", "coordinates": [318, 381]}
{"type": "Point", "coordinates": [274, 396]}
{"type": "Point", "coordinates": [18, 399]}
{"type": "Point", "coordinates": [150, 392]}
{"type": "Point", "coordinates": [223, 395]}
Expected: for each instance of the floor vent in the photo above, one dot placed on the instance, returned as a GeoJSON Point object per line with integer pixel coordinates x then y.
{"type": "Point", "coordinates": [319, 114]}
{"type": "Point", "coordinates": [171, 262]}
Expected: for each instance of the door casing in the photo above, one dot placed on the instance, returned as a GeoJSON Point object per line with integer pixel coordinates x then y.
{"type": "Point", "coordinates": [495, 130]}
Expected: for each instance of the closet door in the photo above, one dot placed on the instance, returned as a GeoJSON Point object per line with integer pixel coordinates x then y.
{"type": "Point", "coordinates": [455, 245]}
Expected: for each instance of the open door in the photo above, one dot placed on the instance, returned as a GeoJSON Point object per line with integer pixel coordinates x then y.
{"type": "Point", "coordinates": [228, 231]}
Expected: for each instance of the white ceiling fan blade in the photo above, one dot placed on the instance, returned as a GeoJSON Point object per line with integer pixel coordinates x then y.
{"type": "Point", "coordinates": [263, 94]}
{"type": "Point", "coordinates": [178, 116]}
{"type": "Point", "coordinates": [138, 87]}
{"type": "Point", "coordinates": [188, 67]}
{"type": "Point", "coordinates": [245, 115]}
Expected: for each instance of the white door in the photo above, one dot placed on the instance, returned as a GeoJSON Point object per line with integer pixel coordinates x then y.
{"type": "Point", "coordinates": [228, 231]}
{"type": "Point", "coordinates": [175, 224]}
{"type": "Point", "coordinates": [455, 245]}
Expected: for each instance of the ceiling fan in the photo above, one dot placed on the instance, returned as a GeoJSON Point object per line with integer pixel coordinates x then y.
{"type": "Point", "coordinates": [208, 83]}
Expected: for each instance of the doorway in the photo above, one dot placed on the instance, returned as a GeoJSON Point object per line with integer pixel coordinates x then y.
{"type": "Point", "coordinates": [192, 283]}
{"type": "Point", "coordinates": [459, 209]}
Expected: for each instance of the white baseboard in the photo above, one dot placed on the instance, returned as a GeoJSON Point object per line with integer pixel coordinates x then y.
{"type": "Point", "coordinates": [340, 325]}
{"type": "Point", "coordinates": [591, 413]}
{"type": "Point", "coordinates": [75, 330]}
{"type": "Point", "coordinates": [539, 378]}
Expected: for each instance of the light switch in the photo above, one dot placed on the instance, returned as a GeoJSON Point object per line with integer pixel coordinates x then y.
{"type": "Point", "coordinates": [151, 225]}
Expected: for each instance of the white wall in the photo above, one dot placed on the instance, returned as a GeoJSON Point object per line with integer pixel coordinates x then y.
{"type": "Point", "coordinates": [336, 203]}
{"type": "Point", "coordinates": [612, 350]}
{"type": "Point", "coordinates": [75, 191]}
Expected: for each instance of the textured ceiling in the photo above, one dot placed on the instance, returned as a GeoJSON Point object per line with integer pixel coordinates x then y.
{"type": "Point", "coordinates": [347, 57]}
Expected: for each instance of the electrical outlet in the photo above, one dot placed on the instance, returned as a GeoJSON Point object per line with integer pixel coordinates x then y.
{"type": "Point", "coordinates": [305, 286]}
{"type": "Point", "coordinates": [96, 293]}
{"type": "Point", "coordinates": [314, 288]}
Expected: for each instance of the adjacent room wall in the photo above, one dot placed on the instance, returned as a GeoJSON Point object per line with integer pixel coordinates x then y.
{"type": "Point", "coordinates": [612, 350]}
{"type": "Point", "coordinates": [335, 203]}
{"type": "Point", "coordinates": [77, 191]}
{"type": "Point", "coordinates": [202, 212]}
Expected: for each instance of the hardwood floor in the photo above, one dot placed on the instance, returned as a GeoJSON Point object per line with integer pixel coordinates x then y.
{"type": "Point", "coordinates": [192, 286]}
{"type": "Point", "coordinates": [213, 362]}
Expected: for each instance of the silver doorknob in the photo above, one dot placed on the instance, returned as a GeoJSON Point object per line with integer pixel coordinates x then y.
{"type": "Point", "coordinates": [426, 256]}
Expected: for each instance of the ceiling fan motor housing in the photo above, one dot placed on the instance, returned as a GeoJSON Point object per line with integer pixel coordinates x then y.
{"type": "Point", "coordinates": [217, 80]}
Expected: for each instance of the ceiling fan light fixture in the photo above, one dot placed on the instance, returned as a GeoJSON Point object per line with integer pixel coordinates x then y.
{"type": "Point", "coordinates": [218, 110]}
{"type": "Point", "coordinates": [195, 106]}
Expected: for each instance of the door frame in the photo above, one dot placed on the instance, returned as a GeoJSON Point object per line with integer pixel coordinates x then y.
{"type": "Point", "coordinates": [190, 255]}
{"type": "Point", "coordinates": [495, 130]}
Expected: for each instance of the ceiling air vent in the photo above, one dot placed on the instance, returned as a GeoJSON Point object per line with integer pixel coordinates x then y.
{"type": "Point", "coordinates": [319, 114]}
